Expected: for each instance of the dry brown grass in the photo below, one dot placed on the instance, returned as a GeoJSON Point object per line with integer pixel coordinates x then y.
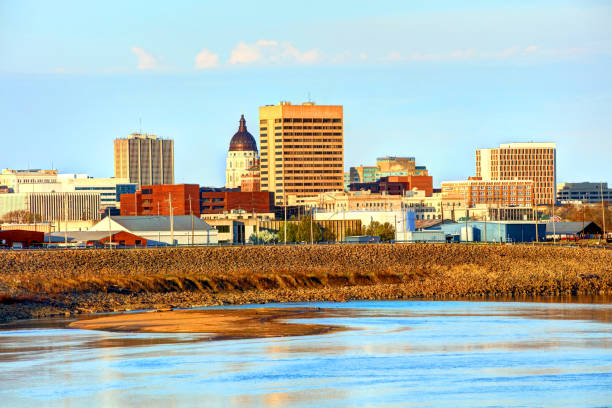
{"type": "Point", "coordinates": [301, 273]}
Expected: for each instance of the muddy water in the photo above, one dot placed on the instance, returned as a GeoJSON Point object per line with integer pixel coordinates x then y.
{"type": "Point", "coordinates": [391, 354]}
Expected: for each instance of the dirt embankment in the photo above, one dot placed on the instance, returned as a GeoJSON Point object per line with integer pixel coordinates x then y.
{"type": "Point", "coordinates": [41, 283]}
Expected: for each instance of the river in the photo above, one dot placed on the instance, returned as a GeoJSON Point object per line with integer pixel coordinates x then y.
{"type": "Point", "coordinates": [392, 354]}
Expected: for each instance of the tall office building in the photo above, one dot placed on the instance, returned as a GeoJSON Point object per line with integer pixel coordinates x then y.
{"type": "Point", "coordinates": [522, 161]}
{"type": "Point", "coordinates": [145, 159]}
{"type": "Point", "coordinates": [301, 150]}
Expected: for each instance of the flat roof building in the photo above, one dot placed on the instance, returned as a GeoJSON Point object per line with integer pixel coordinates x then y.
{"type": "Point", "coordinates": [144, 159]}
{"type": "Point", "coordinates": [302, 149]}
{"type": "Point", "coordinates": [497, 192]}
{"type": "Point", "coordinates": [587, 193]}
{"type": "Point", "coordinates": [157, 200]}
{"type": "Point", "coordinates": [522, 161]}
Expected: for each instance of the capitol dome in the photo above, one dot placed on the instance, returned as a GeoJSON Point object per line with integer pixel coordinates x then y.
{"type": "Point", "coordinates": [243, 140]}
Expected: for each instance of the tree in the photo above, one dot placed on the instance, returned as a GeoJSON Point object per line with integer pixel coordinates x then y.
{"type": "Point", "coordinates": [263, 237]}
{"type": "Point", "coordinates": [328, 235]}
{"type": "Point", "coordinates": [291, 232]}
{"type": "Point", "coordinates": [303, 231]}
{"type": "Point", "coordinates": [20, 217]}
{"type": "Point", "coordinates": [385, 231]}
{"type": "Point", "coordinates": [351, 233]}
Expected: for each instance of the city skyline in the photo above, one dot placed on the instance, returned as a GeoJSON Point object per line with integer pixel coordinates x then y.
{"type": "Point", "coordinates": [415, 80]}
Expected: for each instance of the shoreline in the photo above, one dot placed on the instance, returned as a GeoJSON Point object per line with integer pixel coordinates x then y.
{"type": "Point", "coordinates": [72, 283]}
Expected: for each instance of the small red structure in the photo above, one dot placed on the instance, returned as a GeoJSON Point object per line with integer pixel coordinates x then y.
{"type": "Point", "coordinates": [125, 238]}
{"type": "Point", "coordinates": [20, 238]}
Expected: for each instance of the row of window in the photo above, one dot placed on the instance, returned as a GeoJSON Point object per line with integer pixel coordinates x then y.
{"type": "Point", "coordinates": [303, 120]}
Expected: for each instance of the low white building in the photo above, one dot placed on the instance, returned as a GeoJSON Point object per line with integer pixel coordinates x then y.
{"type": "Point", "coordinates": [400, 220]}
{"type": "Point", "coordinates": [162, 230]}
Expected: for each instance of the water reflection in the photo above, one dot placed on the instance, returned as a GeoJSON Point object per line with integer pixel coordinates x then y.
{"type": "Point", "coordinates": [396, 354]}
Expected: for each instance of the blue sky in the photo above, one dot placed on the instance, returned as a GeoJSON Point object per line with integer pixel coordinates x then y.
{"type": "Point", "coordinates": [434, 80]}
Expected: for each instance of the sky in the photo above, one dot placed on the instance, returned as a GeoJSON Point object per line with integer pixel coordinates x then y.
{"type": "Point", "coordinates": [433, 80]}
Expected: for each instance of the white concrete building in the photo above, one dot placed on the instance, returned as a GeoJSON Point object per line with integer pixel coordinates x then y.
{"type": "Point", "coordinates": [49, 181]}
{"type": "Point", "coordinates": [241, 157]}
{"type": "Point", "coordinates": [162, 230]}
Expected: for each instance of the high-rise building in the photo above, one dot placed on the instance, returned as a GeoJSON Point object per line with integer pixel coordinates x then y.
{"type": "Point", "coordinates": [145, 159]}
{"type": "Point", "coordinates": [302, 150]}
{"type": "Point", "coordinates": [241, 157]}
{"type": "Point", "coordinates": [522, 161]}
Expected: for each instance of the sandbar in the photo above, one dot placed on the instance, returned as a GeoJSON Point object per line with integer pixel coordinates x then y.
{"type": "Point", "coordinates": [217, 324]}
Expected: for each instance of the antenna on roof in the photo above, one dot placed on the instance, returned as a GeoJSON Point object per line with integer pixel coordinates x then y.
{"type": "Point", "coordinates": [309, 100]}
{"type": "Point", "coordinates": [140, 122]}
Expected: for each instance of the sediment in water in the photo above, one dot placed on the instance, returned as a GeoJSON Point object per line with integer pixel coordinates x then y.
{"type": "Point", "coordinates": [42, 283]}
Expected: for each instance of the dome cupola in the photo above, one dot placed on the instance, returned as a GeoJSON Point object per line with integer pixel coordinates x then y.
{"type": "Point", "coordinates": [243, 140]}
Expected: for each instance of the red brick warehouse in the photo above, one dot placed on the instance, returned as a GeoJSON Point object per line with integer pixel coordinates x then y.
{"type": "Point", "coordinates": [155, 200]}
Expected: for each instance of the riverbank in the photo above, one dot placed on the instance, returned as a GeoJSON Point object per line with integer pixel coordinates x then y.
{"type": "Point", "coordinates": [71, 282]}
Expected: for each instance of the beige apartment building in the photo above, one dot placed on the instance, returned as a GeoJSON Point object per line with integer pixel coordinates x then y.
{"type": "Point", "coordinates": [471, 192]}
{"type": "Point", "coordinates": [145, 159]}
{"type": "Point", "coordinates": [301, 149]}
{"type": "Point", "coordinates": [522, 161]}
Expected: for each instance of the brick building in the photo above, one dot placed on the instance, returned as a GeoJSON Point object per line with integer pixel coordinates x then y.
{"type": "Point", "coordinates": [397, 185]}
{"type": "Point", "coordinates": [216, 201]}
{"type": "Point", "coordinates": [522, 161]}
{"type": "Point", "coordinates": [156, 199]}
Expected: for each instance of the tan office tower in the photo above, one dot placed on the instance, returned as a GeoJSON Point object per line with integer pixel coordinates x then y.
{"type": "Point", "coordinates": [522, 161]}
{"type": "Point", "coordinates": [301, 150]}
{"type": "Point", "coordinates": [145, 159]}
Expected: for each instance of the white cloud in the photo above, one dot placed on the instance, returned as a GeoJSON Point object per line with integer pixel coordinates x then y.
{"type": "Point", "coordinates": [146, 61]}
{"type": "Point", "coordinates": [245, 54]}
{"type": "Point", "coordinates": [363, 56]}
{"type": "Point", "coordinates": [531, 48]}
{"type": "Point", "coordinates": [266, 52]}
{"type": "Point", "coordinates": [206, 59]}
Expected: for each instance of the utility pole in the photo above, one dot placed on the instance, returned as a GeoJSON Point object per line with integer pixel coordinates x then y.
{"type": "Point", "coordinates": [467, 215]}
{"type": "Point", "coordinates": [191, 213]}
{"type": "Point", "coordinates": [110, 237]}
{"type": "Point", "coordinates": [553, 222]}
{"type": "Point", "coordinates": [171, 219]}
{"type": "Point", "coordinates": [603, 212]}
{"type": "Point", "coordinates": [285, 223]}
{"type": "Point", "coordinates": [485, 224]}
{"type": "Point", "coordinates": [66, 220]}
{"type": "Point", "coordinates": [583, 218]}
{"type": "Point", "coordinates": [536, 225]}
{"type": "Point", "coordinates": [311, 213]}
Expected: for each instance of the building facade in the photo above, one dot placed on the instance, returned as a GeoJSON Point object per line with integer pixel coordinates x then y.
{"type": "Point", "coordinates": [302, 149]}
{"type": "Point", "coordinates": [339, 203]}
{"type": "Point", "coordinates": [364, 174]}
{"type": "Point", "coordinates": [522, 161]}
{"type": "Point", "coordinates": [242, 155]}
{"type": "Point", "coordinates": [518, 193]}
{"type": "Point", "coordinates": [397, 185]}
{"type": "Point", "coordinates": [49, 181]}
{"type": "Point", "coordinates": [157, 200]}
{"type": "Point", "coordinates": [586, 193]}
{"type": "Point", "coordinates": [218, 201]}
{"type": "Point", "coordinates": [144, 159]}
{"type": "Point", "coordinates": [65, 206]}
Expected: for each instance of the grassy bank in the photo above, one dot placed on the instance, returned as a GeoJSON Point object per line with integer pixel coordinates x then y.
{"type": "Point", "coordinates": [38, 283]}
